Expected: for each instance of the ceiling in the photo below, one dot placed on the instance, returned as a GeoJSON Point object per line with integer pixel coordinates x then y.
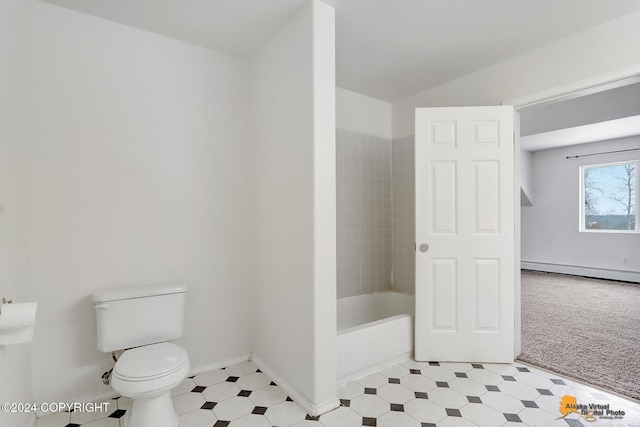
{"type": "Point", "coordinates": [605, 115]}
{"type": "Point", "coordinates": [387, 49]}
{"type": "Point", "coordinates": [607, 105]}
{"type": "Point", "coordinates": [601, 131]}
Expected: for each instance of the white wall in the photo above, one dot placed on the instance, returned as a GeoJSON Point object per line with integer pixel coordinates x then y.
{"type": "Point", "coordinates": [293, 240]}
{"type": "Point", "coordinates": [137, 175]}
{"type": "Point", "coordinates": [324, 391]}
{"type": "Point", "coordinates": [526, 178]}
{"type": "Point", "coordinates": [362, 114]}
{"type": "Point", "coordinates": [15, 361]}
{"type": "Point", "coordinates": [550, 237]}
{"type": "Point", "coordinates": [598, 50]}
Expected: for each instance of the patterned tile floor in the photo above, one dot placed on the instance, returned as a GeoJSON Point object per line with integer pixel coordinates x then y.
{"type": "Point", "coordinates": [409, 394]}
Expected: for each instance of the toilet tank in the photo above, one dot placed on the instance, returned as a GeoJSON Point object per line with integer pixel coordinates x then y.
{"type": "Point", "coordinates": [141, 315]}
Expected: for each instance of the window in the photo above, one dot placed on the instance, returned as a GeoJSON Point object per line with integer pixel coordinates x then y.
{"type": "Point", "coordinates": [609, 197]}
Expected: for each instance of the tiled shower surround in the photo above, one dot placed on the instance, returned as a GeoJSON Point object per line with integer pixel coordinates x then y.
{"type": "Point", "coordinates": [403, 223]}
{"type": "Point", "coordinates": [374, 214]}
{"type": "Point", "coordinates": [363, 176]}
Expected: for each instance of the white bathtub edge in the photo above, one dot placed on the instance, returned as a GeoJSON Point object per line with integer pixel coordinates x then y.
{"type": "Point", "coordinates": [374, 323]}
{"type": "Point", "coordinates": [365, 349]}
{"type": "Point", "coordinates": [388, 291]}
{"type": "Point", "coordinates": [368, 308]}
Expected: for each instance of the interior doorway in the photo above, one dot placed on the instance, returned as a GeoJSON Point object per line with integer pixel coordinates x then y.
{"type": "Point", "coordinates": [606, 110]}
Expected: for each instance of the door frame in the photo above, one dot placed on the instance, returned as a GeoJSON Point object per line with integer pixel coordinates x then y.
{"type": "Point", "coordinates": [595, 84]}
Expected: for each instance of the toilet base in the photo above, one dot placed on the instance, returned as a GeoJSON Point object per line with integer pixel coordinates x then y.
{"type": "Point", "coordinates": [157, 411]}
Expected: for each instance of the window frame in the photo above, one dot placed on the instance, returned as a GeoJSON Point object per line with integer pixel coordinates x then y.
{"type": "Point", "coordinates": [582, 218]}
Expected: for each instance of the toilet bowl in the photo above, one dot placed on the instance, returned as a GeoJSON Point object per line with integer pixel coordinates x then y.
{"type": "Point", "coordinates": [141, 320]}
{"type": "Point", "coordinates": [146, 375]}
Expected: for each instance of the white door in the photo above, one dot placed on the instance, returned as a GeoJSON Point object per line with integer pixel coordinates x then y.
{"type": "Point", "coordinates": [465, 234]}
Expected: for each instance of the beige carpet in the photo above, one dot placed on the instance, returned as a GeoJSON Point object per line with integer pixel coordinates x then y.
{"type": "Point", "coordinates": [588, 329]}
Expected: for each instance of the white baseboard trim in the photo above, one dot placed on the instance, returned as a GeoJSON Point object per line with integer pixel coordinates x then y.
{"type": "Point", "coordinates": [313, 409]}
{"type": "Point", "coordinates": [219, 365]}
{"type": "Point", "coordinates": [110, 394]}
{"type": "Point", "coordinates": [374, 368]}
{"type": "Point", "coordinates": [577, 270]}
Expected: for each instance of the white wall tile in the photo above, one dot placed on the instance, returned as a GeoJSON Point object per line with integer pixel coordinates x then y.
{"type": "Point", "coordinates": [375, 207]}
{"type": "Point", "coordinates": [364, 200]}
{"type": "Point", "coordinates": [403, 208]}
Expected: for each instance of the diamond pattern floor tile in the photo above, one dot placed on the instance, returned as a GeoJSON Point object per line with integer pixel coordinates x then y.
{"type": "Point", "coordinates": [409, 394]}
{"type": "Point", "coordinates": [501, 368]}
{"type": "Point", "coordinates": [395, 371]}
{"type": "Point", "coordinates": [104, 422]}
{"type": "Point", "coordinates": [350, 391]}
{"type": "Point", "coordinates": [184, 387]}
{"type": "Point", "coordinates": [210, 378]}
{"type": "Point", "coordinates": [222, 391]}
{"type": "Point", "coordinates": [241, 369]}
{"type": "Point", "coordinates": [370, 405]}
{"type": "Point", "coordinates": [425, 410]}
{"type": "Point", "coordinates": [448, 398]}
{"type": "Point", "coordinates": [536, 417]}
{"type": "Point", "coordinates": [233, 408]}
{"type": "Point", "coordinates": [438, 373]}
{"type": "Point", "coordinates": [254, 381]}
{"type": "Point", "coordinates": [457, 367]}
{"type": "Point", "coordinates": [397, 419]}
{"type": "Point", "coordinates": [285, 414]}
{"type": "Point", "coordinates": [251, 420]}
{"type": "Point", "coordinates": [519, 391]}
{"type": "Point", "coordinates": [395, 393]}
{"type": "Point", "coordinates": [268, 396]}
{"type": "Point", "coordinates": [467, 387]}
{"type": "Point", "coordinates": [534, 380]}
{"type": "Point", "coordinates": [188, 402]}
{"type": "Point", "coordinates": [373, 380]}
{"type": "Point", "coordinates": [503, 402]}
{"type": "Point", "coordinates": [483, 415]}
{"type": "Point", "coordinates": [485, 376]}
{"type": "Point", "coordinates": [341, 417]}
{"type": "Point", "coordinates": [414, 364]}
{"type": "Point", "coordinates": [418, 383]}
{"type": "Point", "coordinates": [197, 419]}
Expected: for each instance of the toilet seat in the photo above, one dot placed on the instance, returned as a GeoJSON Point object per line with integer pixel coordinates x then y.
{"type": "Point", "coordinates": [150, 370]}
{"type": "Point", "coordinates": [150, 362]}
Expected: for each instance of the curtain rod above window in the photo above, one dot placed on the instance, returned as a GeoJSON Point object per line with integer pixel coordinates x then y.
{"type": "Point", "coordinates": [605, 152]}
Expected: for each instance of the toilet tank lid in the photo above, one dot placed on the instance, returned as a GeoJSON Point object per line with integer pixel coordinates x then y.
{"type": "Point", "coordinates": [115, 294]}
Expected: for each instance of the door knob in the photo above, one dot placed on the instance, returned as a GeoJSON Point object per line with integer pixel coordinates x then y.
{"type": "Point", "coordinates": [424, 247]}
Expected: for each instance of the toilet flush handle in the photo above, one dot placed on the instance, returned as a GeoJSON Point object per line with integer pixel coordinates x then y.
{"type": "Point", "coordinates": [103, 306]}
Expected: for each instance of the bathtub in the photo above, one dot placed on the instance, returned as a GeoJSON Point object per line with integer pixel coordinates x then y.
{"type": "Point", "coordinates": [374, 331]}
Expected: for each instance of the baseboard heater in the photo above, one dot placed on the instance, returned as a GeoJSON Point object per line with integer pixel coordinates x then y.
{"type": "Point", "coordinates": [577, 270]}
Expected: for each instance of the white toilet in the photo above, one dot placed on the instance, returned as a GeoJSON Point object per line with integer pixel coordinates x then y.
{"type": "Point", "coordinates": [140, 320]}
